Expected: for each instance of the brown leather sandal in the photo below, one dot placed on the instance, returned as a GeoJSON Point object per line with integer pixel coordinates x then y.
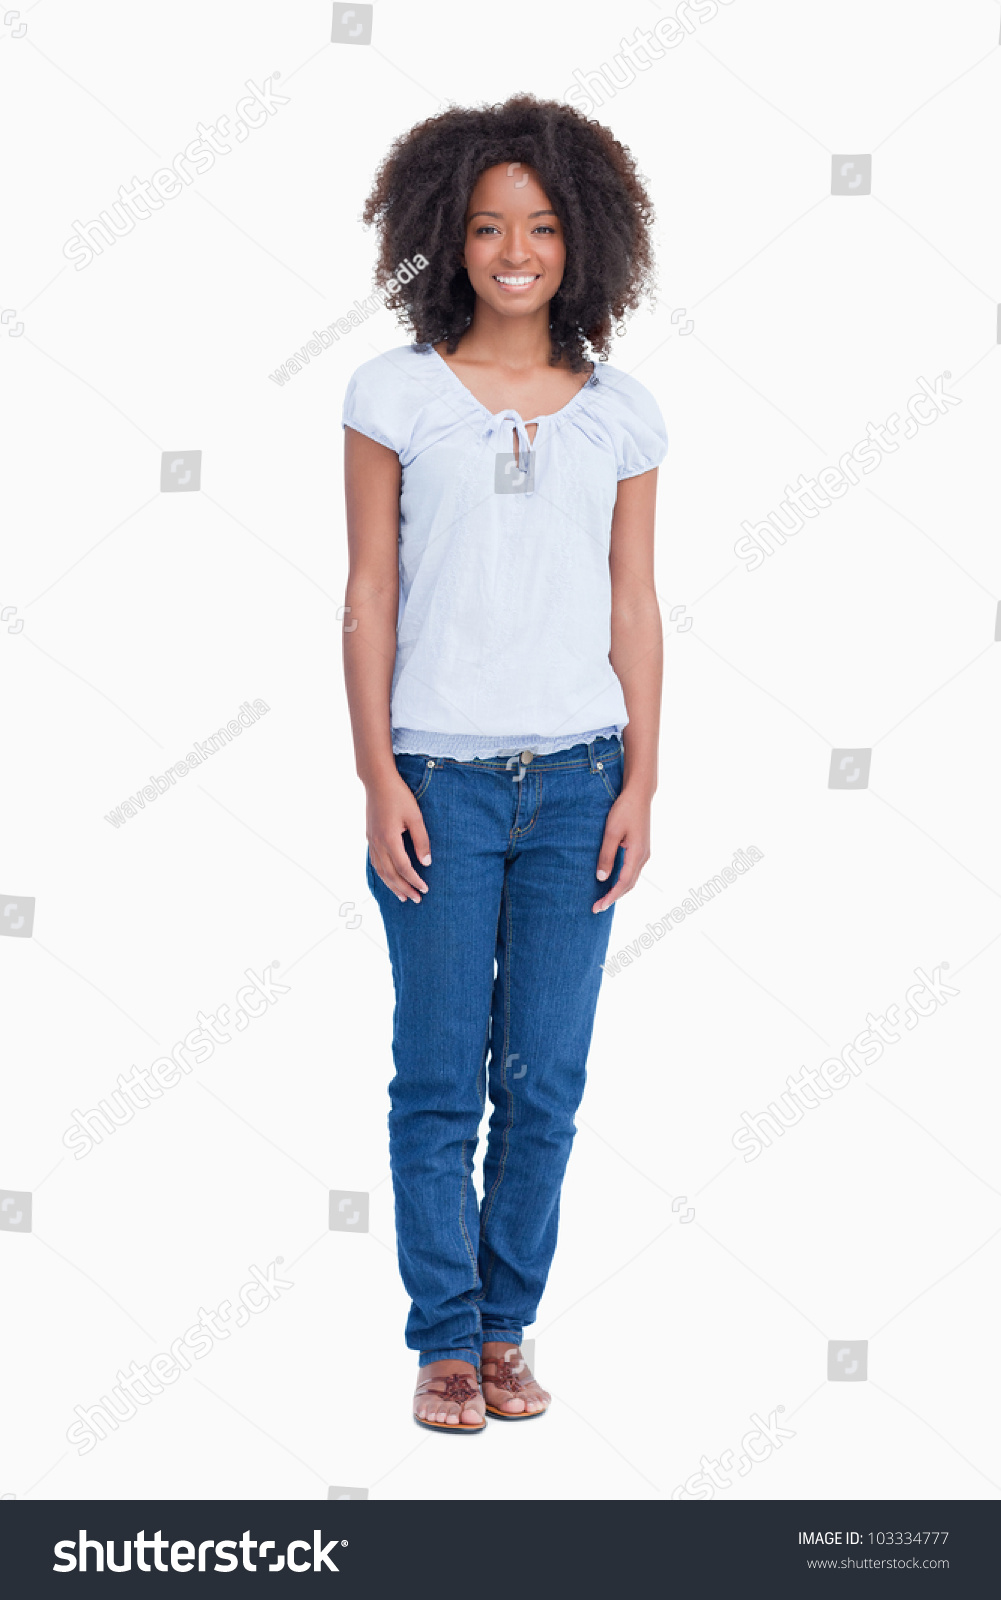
{"type": "Point", "coordinates": [458, 1387]}
{"type": "Point", "coordinates": [506, 1377]}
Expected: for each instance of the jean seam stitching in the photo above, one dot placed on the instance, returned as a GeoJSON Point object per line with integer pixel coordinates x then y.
{"type": "Point", "coordinates": [556, 766]}
{"type": "Point", "coordinates": [521, 833]}
{"type": "Point", "coordinates": [462, 1214]}
{"type": "Point", "coordinates": [421, 789]}
{"type": "Point", "coordinates": [475, 1309]}
{"type": "Point", "coordinates": [482, 1097]}
{"type": "Point", "coordinates": [489, 1203]}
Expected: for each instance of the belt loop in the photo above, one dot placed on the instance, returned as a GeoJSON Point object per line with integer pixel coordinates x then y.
{"type": "Point", "coordinates": [591, 756]}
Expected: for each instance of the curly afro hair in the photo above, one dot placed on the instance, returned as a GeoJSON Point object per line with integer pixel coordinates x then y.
{"type": "Point", "coordinates": [421, 195]}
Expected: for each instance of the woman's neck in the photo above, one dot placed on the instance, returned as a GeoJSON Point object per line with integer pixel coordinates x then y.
{"type": "Point", "coordinates": [519, 343]}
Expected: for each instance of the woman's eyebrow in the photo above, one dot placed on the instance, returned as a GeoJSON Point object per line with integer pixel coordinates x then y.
{"type": "Point", "coordinates": [531, 214]}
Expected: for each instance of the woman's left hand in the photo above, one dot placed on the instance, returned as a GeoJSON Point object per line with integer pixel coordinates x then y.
{"type": "Point", "coordinates": [628, 825]}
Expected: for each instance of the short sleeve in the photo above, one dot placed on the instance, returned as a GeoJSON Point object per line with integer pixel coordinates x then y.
{"type": "Point", "coordinates": [380, 402]}
{"type": "Point", "coordinates": [639, 431]}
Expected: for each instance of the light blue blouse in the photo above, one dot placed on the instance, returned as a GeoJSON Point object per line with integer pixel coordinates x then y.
{"type": "Point", "coordinates": [504, 622]}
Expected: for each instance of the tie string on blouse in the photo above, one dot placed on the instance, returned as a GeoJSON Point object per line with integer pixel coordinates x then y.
{"type": "Point", "coordinates": [505, 420]}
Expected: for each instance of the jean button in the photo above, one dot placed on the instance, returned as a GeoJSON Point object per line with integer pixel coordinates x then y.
{"type": "Point", "coordinates": [601, 766]}
{"type": "Point", "coordinates": [527, 756]}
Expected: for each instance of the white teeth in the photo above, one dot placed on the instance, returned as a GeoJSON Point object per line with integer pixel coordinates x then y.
{"type": "Point", "coordinates": [517, 281]}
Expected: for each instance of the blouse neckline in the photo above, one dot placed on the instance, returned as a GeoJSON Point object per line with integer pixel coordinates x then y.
{"type": "Point", "coordinates": [509, 411]}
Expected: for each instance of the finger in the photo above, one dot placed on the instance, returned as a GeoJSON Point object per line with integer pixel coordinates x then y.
{"type": "Point", "coordinates": [627, 880]}
{"type": "Point", "coordinates": [412, 880]}
{"type": "Point", "coordinates": [418, 835]}
{"type": "Point", "coordinates": [611, 839]}
{"type": "Point", "coordinates": [395, 868]}
{"type": "Point", "coordinates": [386, 872]}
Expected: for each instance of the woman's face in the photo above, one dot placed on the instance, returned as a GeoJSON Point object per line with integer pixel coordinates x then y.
{"type": "Point", "coordinates": [515, 252]}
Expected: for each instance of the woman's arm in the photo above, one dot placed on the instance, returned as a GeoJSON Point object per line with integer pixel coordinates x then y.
{"type": "Point", "coordinates": [637, 655]}
{"type": "Point", "coordinates": [371, 601]}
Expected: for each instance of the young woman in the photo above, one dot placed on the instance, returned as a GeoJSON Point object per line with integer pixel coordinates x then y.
{"type": "Point", "coordinates": [503, 668]}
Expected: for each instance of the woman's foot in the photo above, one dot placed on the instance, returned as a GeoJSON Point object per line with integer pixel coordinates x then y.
{"type": "Point", "coordinates": [448, 1396]}
{"type": "Point", "coordinates": [508, 1387]}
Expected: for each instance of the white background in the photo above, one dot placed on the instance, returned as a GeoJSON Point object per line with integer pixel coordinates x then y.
{"type": "Point", "coordinates": [148, 618]}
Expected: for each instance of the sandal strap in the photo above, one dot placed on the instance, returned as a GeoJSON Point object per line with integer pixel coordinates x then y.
{"type": "Point", "coordinates": [505, 1376]}
{"type": "Point", "coordinates": [457, 1387]}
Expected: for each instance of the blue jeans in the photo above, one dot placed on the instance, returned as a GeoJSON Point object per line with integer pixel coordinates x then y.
{"type": "Point", "coordinates": [514, 853]}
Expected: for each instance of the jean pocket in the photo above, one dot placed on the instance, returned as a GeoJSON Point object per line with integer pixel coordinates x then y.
{"type": "Point", "coordinates": [416, 773]}
{"type": "Point", "coordinates": [610, 769]}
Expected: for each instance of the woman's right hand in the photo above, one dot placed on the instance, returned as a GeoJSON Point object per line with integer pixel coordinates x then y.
{"type": "Point", "coordinates": [391, 811]}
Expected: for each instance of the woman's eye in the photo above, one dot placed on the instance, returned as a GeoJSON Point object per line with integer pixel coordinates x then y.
{"type": "Point", "coordinates": [490, 227]}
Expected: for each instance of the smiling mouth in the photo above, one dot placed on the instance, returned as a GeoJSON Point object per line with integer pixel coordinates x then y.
{"type": "Point", "coordinates": [516, 282]}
